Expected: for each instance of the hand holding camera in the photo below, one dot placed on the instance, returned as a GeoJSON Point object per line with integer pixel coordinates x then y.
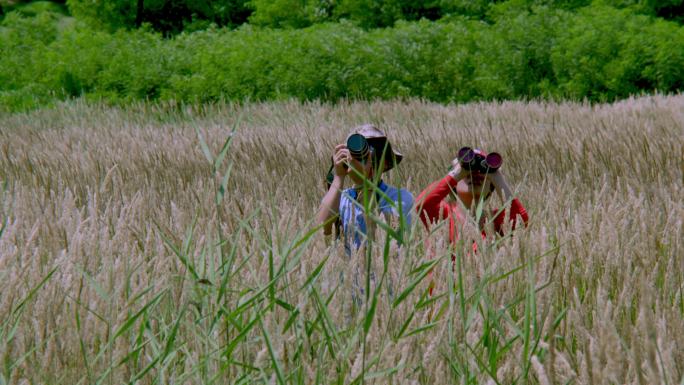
{"type": "Point", "coordinates": [357, 148]}
{"type": "Point", "coordinates": [341, 158]}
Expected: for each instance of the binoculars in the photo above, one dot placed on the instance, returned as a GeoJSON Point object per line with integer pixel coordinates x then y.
{"type": "Point", "coordinates": [472, 161]}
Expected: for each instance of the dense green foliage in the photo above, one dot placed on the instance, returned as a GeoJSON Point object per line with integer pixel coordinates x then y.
{"type": "Point", "coordinates": [597, 52]}
{"type": "Point", "coordinates": [173, 16]}
{"type": "Point", "coordinates": [166, 16]}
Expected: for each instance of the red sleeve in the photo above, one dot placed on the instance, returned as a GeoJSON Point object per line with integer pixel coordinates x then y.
{"type": "Point", "coordinates": [430, 201]}
{"type": "Point", "coordinates": [516, 209]}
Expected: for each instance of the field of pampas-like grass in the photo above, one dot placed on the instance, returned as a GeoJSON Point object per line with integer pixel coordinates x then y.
{"type": "Point", "coordinates": [167, 244]}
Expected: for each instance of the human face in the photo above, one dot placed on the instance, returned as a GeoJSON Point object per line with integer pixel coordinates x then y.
{"type": "Point", "coordinates": [472, 188]}
{"type": "Point", "coordinates": [361, 169]}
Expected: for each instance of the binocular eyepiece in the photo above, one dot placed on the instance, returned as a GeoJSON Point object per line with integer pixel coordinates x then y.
{"type": "Point", "coordinates": [472, 161]}
{"type": "Point", "coordinates": [358, 146]}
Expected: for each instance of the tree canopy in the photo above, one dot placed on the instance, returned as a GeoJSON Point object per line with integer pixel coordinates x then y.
{"type": "Point", "coordinates": [171, 17]}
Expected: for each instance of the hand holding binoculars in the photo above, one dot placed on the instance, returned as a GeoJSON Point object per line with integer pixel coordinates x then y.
{"type": "Point", "coordinates": [472, 160]}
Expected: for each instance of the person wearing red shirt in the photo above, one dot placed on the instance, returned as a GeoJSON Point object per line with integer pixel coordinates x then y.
{"type": "Point", "coordinates": [469, 187]}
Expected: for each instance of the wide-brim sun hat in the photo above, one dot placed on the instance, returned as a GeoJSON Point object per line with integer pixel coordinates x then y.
{"type": "Point", "coordinates": [378, 140]}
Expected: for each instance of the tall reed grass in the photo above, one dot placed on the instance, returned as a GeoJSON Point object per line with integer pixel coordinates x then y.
{"type": "Point", "coordinates": [175, 244]}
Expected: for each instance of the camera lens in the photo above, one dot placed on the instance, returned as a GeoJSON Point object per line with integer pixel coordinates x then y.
{"type": "Point", "coordinates": [358, 146]}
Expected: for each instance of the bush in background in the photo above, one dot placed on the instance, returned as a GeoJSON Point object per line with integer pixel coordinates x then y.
{"type": "Point", "coordinates": [599, 53]}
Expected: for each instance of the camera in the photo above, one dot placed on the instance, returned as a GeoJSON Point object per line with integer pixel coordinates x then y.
{"type": "Point", "coordinates": [472, 161]}
{"type": "Point", "coordinates": [358, 146]}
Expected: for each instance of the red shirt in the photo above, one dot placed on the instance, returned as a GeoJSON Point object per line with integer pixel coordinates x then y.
{"type": "Point", "coordinates": [432, 207]}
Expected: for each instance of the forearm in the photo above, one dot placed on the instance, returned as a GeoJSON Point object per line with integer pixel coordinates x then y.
{"type": "Point", "coordinates": [331, 202]}
{"type": "Point", "coordinates": [516, 208]}
{"type": "Point", "coordinates": [502, 189]}
{"type": "Point", "coordinates": [430, 198]}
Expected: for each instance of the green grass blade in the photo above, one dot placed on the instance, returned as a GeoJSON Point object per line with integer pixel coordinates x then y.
{"type": "Point", "coordinates": [421, 329]}
{"type": "Point", "coordinates": [409, 289]}
{"type": "Point", "coordinates": [203, 144]}
{"type": "Point", "coordinates": [130, 321]}
{"type": "Point", "coordinates": [274, 359]}
{"type": "Point", "coordinates": [314, 274]}
{"type": "Point", "coordinates": [224, 184]}
{"type": "Point", "coordinates": [33, 291]}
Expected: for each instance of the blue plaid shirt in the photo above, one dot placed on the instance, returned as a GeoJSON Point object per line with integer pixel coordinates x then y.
{"type": "Point", "coordinates": [353, 220]}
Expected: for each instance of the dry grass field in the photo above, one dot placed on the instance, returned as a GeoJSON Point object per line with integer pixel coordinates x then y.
{"type": "Point", "coordinates": [126, 258]}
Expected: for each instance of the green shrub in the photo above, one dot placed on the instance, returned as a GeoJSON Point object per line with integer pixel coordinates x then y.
{"type": "Point", "coordinates": [598, 53]}
{"type": "Point", "coordinates": [606, 54]}
{"type": "Point", "coordinates": [167, 17]}
{"type": "Point", "coordinates": [23, 44]}
{"type": "Point", "coordinates": [281, 13]}
{"type": "Point", "coordinates": [514, 55]}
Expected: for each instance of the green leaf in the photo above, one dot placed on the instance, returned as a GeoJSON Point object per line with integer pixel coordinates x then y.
{"type": "Point", "coordinates": [130, 321]}
{"type": "Point", "coordinates": [224, 151]}
{"type": "Point", "coordinates": [203, 144]}
{"type": "Point", "coordinates": [383, 373]}
{"type": "Point", "coordinates": [274, 359]}
{"type": "Point", "coordinates": [409, 289]}
{"type": "Point", "coordinates": [315, 273]}
{"type": "Point", "coordinates": [421, 329]}
{"type": "Point", "coordinates": [405, 325]}
{"type": "Point", "coordinates": [368, 320]}
{"type": "Point", "coordinates": [33, 291]}
{"type": "Point", "coordinates": [224, 185]}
